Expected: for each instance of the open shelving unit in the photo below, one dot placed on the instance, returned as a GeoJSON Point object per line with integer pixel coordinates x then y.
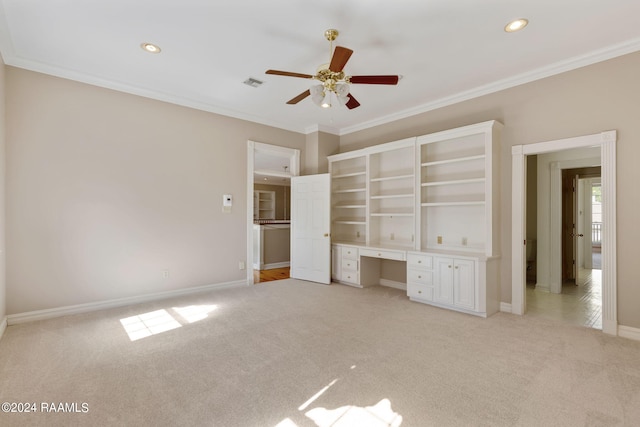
{"type": "Point", "coordinates": [349, 199]}
{"type": "Point", "coordinates": [458, 189]}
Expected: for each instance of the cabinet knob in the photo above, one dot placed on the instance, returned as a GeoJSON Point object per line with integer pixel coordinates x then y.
{"type": "Point", "coordinates": [456, 267]}
{"type": "Point", "coordinates": [419, 277]}
{"type": "Point", "coordinates": [379, 254]}
{"type": "Point", "coordinates": [419, 292]}
{"type": "Point", "coordinates": [449, 266]}
{"type": "Point", "coordinates": [419, 261]}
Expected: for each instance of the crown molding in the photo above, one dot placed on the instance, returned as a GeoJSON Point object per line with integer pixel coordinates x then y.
{"type": "Point", "coordinates": [530, 76]}
{"type": "Point", "coordinates": [560, 67]}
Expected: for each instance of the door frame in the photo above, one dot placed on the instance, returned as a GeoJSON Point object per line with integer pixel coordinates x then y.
{"type": "Point", "coordinates": [607, 143]}
{"type": "Point", "coordinates": [253, 147]}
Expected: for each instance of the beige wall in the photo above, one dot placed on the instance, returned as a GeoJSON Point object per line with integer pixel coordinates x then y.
{"type": "Point", "coordinates": [585, 101]}
{"type": "Point", "coordinates": [3, 300]}
{"type": "Point", "coordinates": [319, 145]}
{"type": "Point", "coordinates": [105, 190]}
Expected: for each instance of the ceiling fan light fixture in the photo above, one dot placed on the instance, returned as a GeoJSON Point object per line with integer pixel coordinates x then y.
{"type": "Point", "coordinates": [150, 47]}
{"type": "Point", "coordinates": [516, 25]}
{"type": "Point", "coordinates": [318, 95]}
{"type": "Point", "coordinates": [342, 93]}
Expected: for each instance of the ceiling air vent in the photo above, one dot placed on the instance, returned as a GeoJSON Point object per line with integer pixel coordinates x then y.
{"type": "Point", "coordinates": [253, 82]}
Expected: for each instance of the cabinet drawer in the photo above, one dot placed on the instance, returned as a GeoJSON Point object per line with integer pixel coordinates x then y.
{"type": "Point", "coordinates": [419, 276]}
{"type": "Point", "coordinates": [349, 264]}
{"type": "Point", "coordinates": [419, 261]}
{"type": "Point", "coordinates": [349, 252]}
{"type": "Point", "coordinates": [382, 253]}
{"type": "Point", "coordinates": [420, 292]}
{"type": "Point", "coordinates": [351, 277]}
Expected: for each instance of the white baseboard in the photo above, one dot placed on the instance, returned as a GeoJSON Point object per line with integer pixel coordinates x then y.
{"type": "Point", "coordinates": [275, 265]}
{"type": "Point", "coordinates": [629, 332]}
{"type": "Point", "coordinates": [506, 307]}
{"type": "Point", "coordinates": [393, 284]}
{"type": "Point", "coordinates": [14, 319]}
{"type": "Point", "coordinates": [3, 326]}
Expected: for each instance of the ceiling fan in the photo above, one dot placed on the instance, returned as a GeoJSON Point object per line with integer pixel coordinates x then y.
{"type": "Point", "coordinates": [333, 80]}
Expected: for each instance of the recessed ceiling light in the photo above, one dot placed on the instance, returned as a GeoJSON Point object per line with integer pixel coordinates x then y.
{"type": "Point", "coordinates": [150, 47]}
{"type": "Point", "coordinates": [516, 25]}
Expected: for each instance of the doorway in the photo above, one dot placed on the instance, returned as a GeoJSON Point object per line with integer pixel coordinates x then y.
{"type": "Point", "coordinates": [606, 142]}
{"type": "Point", "coordinates": [578, 299]}
{"type": "Point", "coordinates": [269, 172]}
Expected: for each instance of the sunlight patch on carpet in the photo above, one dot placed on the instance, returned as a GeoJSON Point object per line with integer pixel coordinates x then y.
{"type": "Point", "coordinates": [147, 324]}
{"type": "Point", "coordinates": [159, 321]}
{"type": "Point", "coordinates": [380, 414]}
{"type": "Point", "coordinates": [194, 313]}
{"type": "Point", "coordinates": [317, 395]}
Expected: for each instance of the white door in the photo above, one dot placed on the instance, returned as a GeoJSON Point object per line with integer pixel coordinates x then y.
{"type": "Point", "coordinates": [310, 226]}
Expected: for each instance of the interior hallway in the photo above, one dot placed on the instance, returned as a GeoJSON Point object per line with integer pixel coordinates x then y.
{"type": "Point", "coordinates": [578, 305]}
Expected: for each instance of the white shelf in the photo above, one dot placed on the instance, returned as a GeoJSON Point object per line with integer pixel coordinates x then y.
{"type": "Point", "coordinates": [348, 174]}
{"type": "Point", "coordinates": [392, 214]}
{"type": "Point", "coordinates": [392, 178]}
{"type": "Point", "coordinates": [454, 160]}
{"type": "Point", "coordinates": [351, 206]}
{"type": "Point", "coordinates": [453, 182]}
{"type": "Point", "coordinates": [393, 196]}
{"type": "Point", "coordinates": [353, 221]}
{"type": "Point", "coordinates": [470, 203]}
{"type": "Point", "coordinates": [349, 190]}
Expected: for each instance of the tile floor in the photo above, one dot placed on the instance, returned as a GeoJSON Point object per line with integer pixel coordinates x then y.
{"type": "Point", "coordinates": [580, 305]}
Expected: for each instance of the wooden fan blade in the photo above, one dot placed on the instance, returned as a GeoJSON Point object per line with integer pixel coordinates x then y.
{"type": "Point", "coordinates": [374, 80]}
{"type": "Point", "coordinates": [352, 102]}
{"type": "Point", "coordinates": [300, 97]}
{"type": "Point", "coordinates": [340, 57]}
{"type": "Point", "coordinates": [289, 74]}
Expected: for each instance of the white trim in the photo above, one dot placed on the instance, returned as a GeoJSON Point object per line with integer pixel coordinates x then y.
{"type": "Point", "coordinates": [607, 143]}
{"type": "Point", "coordinates": [11, 58]}
{"type": "Point", "coordinates": [30, 316]}
{"type": "Point", "coordinates": [273, 265]}
{"type": "Point", "coordinates": [530, 76]}
{"type": "Point", "coordinates": [293, 154]}
{"type": "Point", "coordinates": [505, 307]}
{"type": "Point", "coordinates": [629, 332]}
{"type": "Point", "coordinates": [393, 284]}
{"type": "Point", "coordinates": [3, 326]}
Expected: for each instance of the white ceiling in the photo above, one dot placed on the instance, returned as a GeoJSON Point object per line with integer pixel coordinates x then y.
{"type": "Point", "coordinates": [445, 50]}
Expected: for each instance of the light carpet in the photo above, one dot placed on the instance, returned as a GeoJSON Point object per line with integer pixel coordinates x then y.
{"type": "Point", "coordinates": [293, 353]}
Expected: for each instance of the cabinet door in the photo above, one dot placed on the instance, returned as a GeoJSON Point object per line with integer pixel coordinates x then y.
{"type": "Point", "coordinates": [464, 286]}
{"type": "Point", "coordinates": [444, 280]}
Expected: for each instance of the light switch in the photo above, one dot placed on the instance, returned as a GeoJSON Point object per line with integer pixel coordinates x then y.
{"type": "Point", "coordinates": [227, 200]}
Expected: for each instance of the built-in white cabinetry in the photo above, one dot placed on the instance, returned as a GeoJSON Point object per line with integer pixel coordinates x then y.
{"type": "Point", "coordinates": [459, 194]}
{"type": "Point", "coordinates": [460, 281]}
{"type": "Point", "coordinates": [349, 199]}
{"type": "Point", "coordinates": [264, 204]}
{"type": "Point", "coordinates": [345, 268]}
{"type": "Point", "coordinates": [430, 201]}
{"type": "Point", "coordinates": [373, 195]}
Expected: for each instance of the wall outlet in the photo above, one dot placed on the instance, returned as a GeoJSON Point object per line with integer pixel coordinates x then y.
{"type": "Point", "coordinates": [464, 241]}
{"type": "Point", "coordinates": [241, 265]}
{"type": "Point", "coordinates": [439, 240]}
{"type": "Point", "coordinates": [357, 234]}
{"type": "Point", "coordinates": [165, 274]}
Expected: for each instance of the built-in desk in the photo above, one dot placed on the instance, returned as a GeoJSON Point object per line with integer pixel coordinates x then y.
{"type": "Point", "coordinates": [466, 282]}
